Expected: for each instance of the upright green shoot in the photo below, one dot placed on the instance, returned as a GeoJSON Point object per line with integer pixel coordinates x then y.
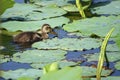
{"type": "Point", "coordinates": [81, 11]}
{"type": "Point", "coordinates": [102, 54]}
{"type": "Point", "coordinates": [82, 8]}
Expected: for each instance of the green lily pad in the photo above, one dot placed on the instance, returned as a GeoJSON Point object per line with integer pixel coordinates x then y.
{"type": "Point", "coordinates": [39, 56]}
{"type": "Point", "coordinates": [45, 12]}
{"type": "Point", "coordinates": [31, 73]}
{"type": "Point", "coordinates": [108, 78]}
{"type": "Point", "coordinates": [68, 44]}
{"type": "Point", "coordinates": [18, 10]}
{"type": "Point", "coordinates": [111, 8]}
{"type": "Point", "coordinates": [33, 25]}
{"type": "Point", "coordinates": [117, 65]}
{"type": "Point", "coordinates": [52, 2]}
{"type": "Point", "coordinates": [112, 47]}
{"type": "Point", "coordinates": [33, 12]}
{"type": "Point", "coordinates": [70, 8]}
{"type": "Point", "coordinates": [90, 71]}
{"type": "Point", "coordinates": [117, 40]}
{"type": "Point", "coordinates": [61, 64]}
{"type": "Point", "coordinates": [3, 59]}
{"type": "Point", "coordinates": [112, 56]}
{"type": "Point", "coordinates": [96, 25]}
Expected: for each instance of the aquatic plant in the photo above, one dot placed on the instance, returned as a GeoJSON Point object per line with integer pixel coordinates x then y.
{"type": "Point", "coordinates": [4, 4]}
{"type": "Point", "coordinates": [66, 73]}
{"type": "Point", "coordinates": [102, 54]}
{"type": "Point", "coordinates": [81, 8]}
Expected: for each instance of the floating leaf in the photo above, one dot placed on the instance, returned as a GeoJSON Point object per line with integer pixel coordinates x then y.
{"type": "Point", "coordinates": [39, 56]}
{"type": "Point", "coordinates": [25, 78]}
{"type": "Point", "coordinates": [117, 40]}
{"type": "Point", "coordinates": [89, 71]}
{"type": "Point", "coordinates": [18, 10]}
{"type": "Point", "coordinates": [33, 25]}
{"type": "Point", "coordinates": [113, 6]}
{"type": "Point", "coordinates": [96, 25]}
{"type": "Point", "coordinates": [70, 8]}
{"type": "Point", "coordinates": [31, 73]}
{"type": "Point", "coordinates": [112, 56]}
{"type": "Point", "coordinates": [108, 78]}
{"type": "Point", "coordinates": [68, 44]}
{"type": "Point", "coordinates": [117, 65]}
{"type": "Point", "coordinates": [3, 59]}
{"type": "Point", "coordinates": [61, 64]}
{"type": "Point", "coordinates": [53, 2]}
{"type": "Point", "coordinates": [45, 12]}
{"type": "Point", "coordinates": [112, 47]}
{"type": "Point", "coordinates": [32, 12]}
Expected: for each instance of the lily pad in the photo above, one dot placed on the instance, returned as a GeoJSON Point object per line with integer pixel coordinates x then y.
{"type": "Point", "coordinates": [31, 73]}
{"type": "Point", "coordinates": [96, 25]}
{"type": "Point", "coordinates": [117, 40]}
{"type": "Point", "coordinates": [33, 12]}
{"type": "Point", "coordinates": [89, 71]}
{"type": "Point", "coordinates": [113, 6]}
{"type": "Point", "coordinates": [39, 56]}
{"type": "Point", "coordinates": [108, 78]}
{"type": "Point", "coordinates": [68, 44]}
{"type": "Point", "coordinates": [70, 8]}
{"type": "Point", "coordinates": [18, 10]}
{"type": "Point", "coordinates": [45, 12]}
{"type": "Point", "coordinates": [112, 56]}
{"type": "Point", "coordinates": [61, 64]}
{"type": "Point", "coordinates": [33, 25]}
{"type": "Point", "coordinates": [117, 65]}
{"type": "Point", "coordinates": [112, 47]}
{"type": "Point", "coordinates": [53, 2]}
{"type": "Point", "coordinates": [3, 59]}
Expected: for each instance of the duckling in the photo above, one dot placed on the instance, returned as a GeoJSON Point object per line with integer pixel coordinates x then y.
{"type": "Point", "coordinates": [46, 29]}
{"type": "Point", "coordinates": [31, 37]}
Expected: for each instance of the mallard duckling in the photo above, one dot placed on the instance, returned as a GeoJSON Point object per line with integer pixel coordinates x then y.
{"type": "Point", "coordinates": [45, 30]}
{"type": "Point", "coordinates": [31, 37]}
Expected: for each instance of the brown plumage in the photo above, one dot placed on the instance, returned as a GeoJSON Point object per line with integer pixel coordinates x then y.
{"type": "Point", "coordinates": [30, 37]}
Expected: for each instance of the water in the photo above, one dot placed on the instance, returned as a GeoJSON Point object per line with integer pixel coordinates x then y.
{"type": "Point", "coordinates": [19, 1]}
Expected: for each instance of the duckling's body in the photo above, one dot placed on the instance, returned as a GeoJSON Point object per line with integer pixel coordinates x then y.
{"type": "Point", "coordinates": [31, 37]}
{"type": "Point", "coordinates": [27, 37]}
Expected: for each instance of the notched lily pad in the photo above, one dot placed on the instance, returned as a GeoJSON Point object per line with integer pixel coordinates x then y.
{"type": "Point", "coordinates": [113, 6]}
{"type": "Point", "coordinates": [70, 8]}
{"type": "Point", "coordinates": [112, 47]}
{"type": "Point", "coordinates": [117, 65]}
{"type": "Point", "coordinates": [68, 44]}
{"type": "Point", "coordinates": [61, 64]}
{"type": "Point", "coordinates": [46, 12]}
{"type": "Point", "coordinates": [89, 71]}
{"type": "Point", "coordinates": [3, 58]}
{"type": "Point", "coordinates": [108, 78]}
{"type": "Point", "coordinates": [96, 25]}
{"type": "Point", "coordinates": [112, 56]}
{"type": "Point", "coordinates": [18, 10]}
{"type": "Point", "coordinates": [53, 2]}
{"type": "Point", "coordinates": [33, 25]}
{"type": "Point", "coordinates": [33, 12]}
{"type": "Point", "coordinates": [39, 56]}
{"type": "Point", "coordinates": [32, 73]}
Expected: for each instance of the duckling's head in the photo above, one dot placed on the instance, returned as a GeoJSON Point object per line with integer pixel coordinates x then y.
{"type": "Point", "coordinates": [46, 28]}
